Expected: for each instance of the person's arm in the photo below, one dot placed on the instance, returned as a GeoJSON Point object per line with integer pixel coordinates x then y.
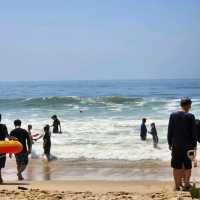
{"type": "Point", "coordinates": [60, 127]}
{"type": "Point", "coordinates": [29, 143]}
{"type": "Point", "coordinates": [170, 132]}
{"type": "Point", "coordinates": [194, 133]}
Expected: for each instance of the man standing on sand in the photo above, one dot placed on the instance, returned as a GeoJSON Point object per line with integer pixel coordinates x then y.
{"type": "Point", "coordinates": [21, 158]}
{"type": "Point", "coordinates": [181, 139]}
{"type": "Point", "coordinates": [3, 136]}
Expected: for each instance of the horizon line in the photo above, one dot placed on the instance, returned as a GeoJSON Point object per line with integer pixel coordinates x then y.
{"type": "Point", "coordinates": [120, 79]}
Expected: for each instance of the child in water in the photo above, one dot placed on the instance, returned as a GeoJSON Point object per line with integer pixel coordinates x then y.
{"type": "Point", "coordinates": [47, 142]}
{"type": "Point", "coordinates": [154, 134]}
{"type": "Point", "coordinates": [29, 132]}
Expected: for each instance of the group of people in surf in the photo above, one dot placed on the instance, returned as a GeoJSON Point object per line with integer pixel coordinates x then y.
{"type": "Point", "coordinates": [153, 132]}
{"type": "Point", "coordinates": [27, 138]}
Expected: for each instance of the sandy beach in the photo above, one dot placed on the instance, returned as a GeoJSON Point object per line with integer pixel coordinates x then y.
{"type": "Point", "coordinates": [92, 190]}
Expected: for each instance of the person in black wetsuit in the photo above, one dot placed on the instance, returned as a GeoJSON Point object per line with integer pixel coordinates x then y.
{"type": "Point", "coordinates": [56, 124]}
{"type": "Point", "coordinates": [3, 136]}
{"type": "Point", "coordinates": [154, 134]}
{"type": "Point", "coordinates": [143, 130]}
{"type": "Point", "coordinates": [182, 137]}
{"type": "Point", "coordinates": [47, 142]}
{"type": "Point", "coordinates": [21, 158]}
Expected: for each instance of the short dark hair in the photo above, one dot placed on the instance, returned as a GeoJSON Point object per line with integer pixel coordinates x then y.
{"type": "Point", "coordinates": [186, 101]}
{"type": "Point", "coordinates": [46, 128]}
{"type": "Point", "coordinates": [144, 120]}
{"type": "Point", "coordinates": [30, 126]}
{"type": "Point", "coordinates": [54, 117]}
{"type": "Point", "coordinates": [17, 122]}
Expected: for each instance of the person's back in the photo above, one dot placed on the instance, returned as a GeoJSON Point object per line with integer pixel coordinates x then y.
{"type": "Point", "coordinates": [182, 130]}
{"type": "Point", "coordinates": [22, 136]}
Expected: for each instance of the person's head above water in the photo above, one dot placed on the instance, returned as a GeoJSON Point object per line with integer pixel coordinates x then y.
{"type": "Point", "coordinates": [46, 128]}
{"type": "Point", "coordinates": [17, 122]}
{"type": "Point", "coordinates": [30, 127]}
{"type": "Point", "coordinates": [186, 104]}
{"type": "Point", "coordinates": [144, 120]}
{"type": "Point", "coordinates": [153, 125]}
{"type": "Point", "coordinates": [54, 117]}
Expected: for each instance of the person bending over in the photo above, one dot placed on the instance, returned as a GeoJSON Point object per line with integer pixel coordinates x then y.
{"type": "Point", "coordinates": [56, 124]}
{"type": "Point", "coordinates": [21, 158]}
{"type": "Point", "coordinates": [3, 136]}
{"type": "Point", "coordinates": [182, 138]}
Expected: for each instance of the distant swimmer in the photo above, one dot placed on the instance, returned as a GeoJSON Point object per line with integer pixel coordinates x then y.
{"type": "Point", "coordinates": [143, 130]}
{"type": "Point", "coordinates": [154, 134]}
{"type": "Point", "coordinates": [56, 124]}
{"type": "Point", "coordinates": [47, 142]}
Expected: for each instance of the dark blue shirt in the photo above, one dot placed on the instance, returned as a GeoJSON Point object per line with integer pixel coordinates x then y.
{"type": "Point", "coordinates": [182, 130]}
{"type": "Point", "coordinates": [143, 131]}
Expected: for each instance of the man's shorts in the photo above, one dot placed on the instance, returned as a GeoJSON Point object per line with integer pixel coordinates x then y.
{"type": "Point", "coordinates": [180, 159]}
{"type": "Point", "coordinates": [21, 158]}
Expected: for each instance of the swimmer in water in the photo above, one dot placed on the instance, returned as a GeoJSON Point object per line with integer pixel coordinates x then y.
{"type": "Point", "coordinates": [143, 130]}
{"type": "Point", "coordinates": [56, 124]}
{"type": "Point", "coordinates": [154, 134]}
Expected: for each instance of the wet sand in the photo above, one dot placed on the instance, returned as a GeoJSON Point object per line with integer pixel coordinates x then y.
{"type": "Point", "coordinates": [114, 170]}
{"type": "Point", "coordinates": [92, 180]}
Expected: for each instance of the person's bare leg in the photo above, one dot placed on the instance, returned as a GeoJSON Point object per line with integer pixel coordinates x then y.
{"type": "Point", "coordinates": [187, 176]}
{"type": "Point", "coordinates": [178, 174]}
{"type": "Point", "coordinates": [20, 169]}
{"type": "Point", "coordinates": [1, 180]}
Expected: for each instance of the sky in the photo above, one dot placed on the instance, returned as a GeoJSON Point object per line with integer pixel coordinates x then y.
{"type": "Point", "coordinates": [99, 39]}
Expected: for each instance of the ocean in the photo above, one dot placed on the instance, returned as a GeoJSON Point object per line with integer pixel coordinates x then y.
{"type": "Point", "coordinates": [109, 126]}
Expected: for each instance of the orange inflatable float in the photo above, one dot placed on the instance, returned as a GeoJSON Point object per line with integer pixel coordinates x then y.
{"type": "Point", "coordinates": [10, 146]}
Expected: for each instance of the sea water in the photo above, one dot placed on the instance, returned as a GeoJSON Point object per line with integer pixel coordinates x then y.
{"type": "Point", "coordinates": [109, 126]}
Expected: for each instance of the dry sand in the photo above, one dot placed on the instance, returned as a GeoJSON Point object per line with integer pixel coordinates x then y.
{"type": "Point", "coordinates": [91, 190]}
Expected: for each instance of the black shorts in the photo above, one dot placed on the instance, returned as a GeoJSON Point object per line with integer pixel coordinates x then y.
{"type": "Point", "coordinates": [180, 159]}
{"type": "Point", "coordinates": [21, 158]}
{"type": "Point", "coordinates": [2, 160]}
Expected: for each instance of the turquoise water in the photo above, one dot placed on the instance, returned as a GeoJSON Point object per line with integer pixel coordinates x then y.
{"type": "Point", "coordinates": [108, 127]}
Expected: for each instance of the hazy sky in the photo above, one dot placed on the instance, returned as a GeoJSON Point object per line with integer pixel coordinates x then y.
{"type": "Point", "coordinates": [99, 39]}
